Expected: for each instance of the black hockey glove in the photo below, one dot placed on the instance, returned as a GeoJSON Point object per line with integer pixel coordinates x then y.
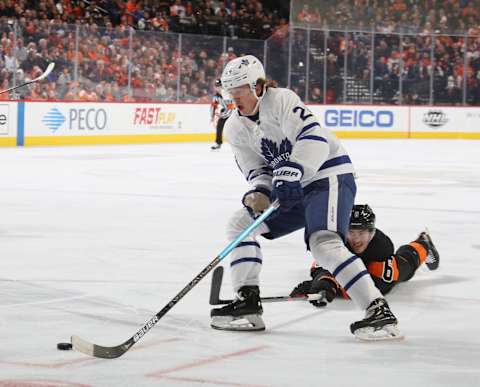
{"type": "Point", "coordinates": [322, 281]}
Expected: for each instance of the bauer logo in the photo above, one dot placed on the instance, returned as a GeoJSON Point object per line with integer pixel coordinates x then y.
{"type": "Point", "coordinates": [435, 118]}
{"type": "Point", "coordinates": [54, 119]}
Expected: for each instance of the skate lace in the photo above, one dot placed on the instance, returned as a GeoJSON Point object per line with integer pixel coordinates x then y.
{"type": "Point", "coordinates": [378, 309]}
{"type": "Point", "coordinates": [238, 299]}
{"type": "Point", "coordinates": [430, 257]}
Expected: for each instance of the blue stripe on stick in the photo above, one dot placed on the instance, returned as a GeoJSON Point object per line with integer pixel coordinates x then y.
{"type": "Point", "coordinates": [343, 265]}
{"type": "Point", "coordinates": [355, 279]}
{"type": "Point", "coordinates": [241, 260]}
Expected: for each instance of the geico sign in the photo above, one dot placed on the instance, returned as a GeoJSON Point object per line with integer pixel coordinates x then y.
{"type": "Point", "coordinates": [87, 119]}
{"type": "Point", "coordinates": [3, 119]}
{"type": "Point", "coordinates": [359, 118]}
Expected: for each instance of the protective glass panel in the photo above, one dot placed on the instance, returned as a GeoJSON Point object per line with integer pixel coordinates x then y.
{"type": "Point", "coordinates": [316, 72]}
{"type": "Point", "coordinates": [154, 71]}
{"type": "Point", "coordinates": [335, 67]}
{"type": "Point", "coordinates": [102, 64]}
{"type": "Point", "coordinates": [473, 71]}
{"type": "Point", "coordinates": [416, 74]}
{"type": "Point", "coordinates": [298, 62]}
{"type": "Point", "coordinates": [386, 68]}
{"type": "Point", "coordinates": [37, 44]}
{"type": "Point", "coordinates": [358, 78]}
{"type": "Point", "coordinates": [277, 56]}
{"type": "Point", "coordinates": [201, 63]}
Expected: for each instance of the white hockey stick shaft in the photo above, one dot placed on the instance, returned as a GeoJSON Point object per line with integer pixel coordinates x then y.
{"type": "Point", "coordinates": [45, 74]}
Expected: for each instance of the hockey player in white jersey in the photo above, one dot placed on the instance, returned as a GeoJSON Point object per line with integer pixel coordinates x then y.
{"type": "Point", "coordinates": [285, 154]}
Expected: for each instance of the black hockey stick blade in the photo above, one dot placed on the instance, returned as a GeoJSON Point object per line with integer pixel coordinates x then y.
{"type": "Point", "coordinates": [217, 277]}
{"type": "Point", "coordinates": [216, 285]}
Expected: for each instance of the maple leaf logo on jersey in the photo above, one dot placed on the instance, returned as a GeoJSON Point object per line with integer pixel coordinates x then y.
{"type": "Point", "coordinates": [274, 154]}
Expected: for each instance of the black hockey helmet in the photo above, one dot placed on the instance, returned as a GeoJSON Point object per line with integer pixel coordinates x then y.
{"type": "Point", "coordinates": [362, 218]}
{"type": "Point", "coordinates": [218, 82]}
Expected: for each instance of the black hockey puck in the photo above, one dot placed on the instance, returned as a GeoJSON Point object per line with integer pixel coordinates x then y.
{"type": "Point", "coordinates": [64, 346]}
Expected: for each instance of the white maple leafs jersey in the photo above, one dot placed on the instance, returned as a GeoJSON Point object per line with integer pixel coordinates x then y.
{"type": "Point", "coordinates": [285, 130]}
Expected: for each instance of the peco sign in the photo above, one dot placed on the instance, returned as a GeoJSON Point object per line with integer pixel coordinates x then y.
{"type": "Point", "coordinates": [76, 119]}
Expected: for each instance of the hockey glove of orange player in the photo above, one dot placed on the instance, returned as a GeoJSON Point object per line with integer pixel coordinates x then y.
{"type": "Point", "coordinates": [322, 281]}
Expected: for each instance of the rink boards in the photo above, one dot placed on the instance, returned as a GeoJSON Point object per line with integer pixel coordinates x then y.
{"type": "Point", "coordinates": [76, 123]}
{"type": "Point", "coordinates": [8, 123]}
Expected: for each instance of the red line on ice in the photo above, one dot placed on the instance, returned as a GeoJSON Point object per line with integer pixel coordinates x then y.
{"type": "Point", "coordinates": [83, 359]}
{"type": "Point", "coordinates": [209, 381]}
{"type": "Point", "coordinates": [201, 362]}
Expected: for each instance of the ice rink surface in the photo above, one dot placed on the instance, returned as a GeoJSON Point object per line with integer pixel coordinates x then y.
{"type": "Point", "coordinates": [96, 240]}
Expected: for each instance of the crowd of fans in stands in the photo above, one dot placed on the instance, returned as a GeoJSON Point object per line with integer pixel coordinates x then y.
{"type": "Point", "coordinates": [387, 16]}
{"type": "Point", "coordinates": [117, 50]}
{"type": "Point", "coordinates": [242, 18]}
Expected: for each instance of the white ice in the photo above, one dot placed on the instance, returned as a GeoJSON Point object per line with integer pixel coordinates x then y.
{"type": "Point", "coordinates": [95, 240]}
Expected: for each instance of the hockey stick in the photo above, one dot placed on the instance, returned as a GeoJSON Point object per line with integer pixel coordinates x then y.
{"type": "Point", "coordinates": [116, 351]}
{"type": "Point", "coordinates": [217, 277]}
{"type": "Point", "coordinates": [45, 74]}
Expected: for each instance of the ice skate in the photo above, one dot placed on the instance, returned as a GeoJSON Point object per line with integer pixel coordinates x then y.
{"type": "Point", "coordinates": [378, 324]}
{"type": "Point", "coordinates": [216, 146]}
{"type": "Point", "coordinates": [243, 314]}
{"type": "Point", "coordinates": [433, 258]}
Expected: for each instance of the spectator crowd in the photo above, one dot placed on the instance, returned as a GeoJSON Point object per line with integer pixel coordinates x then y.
{"type": "Point", "coordinates": [173, 50]}
{"type": "Point", "coordinates": [117, 50]}
{"type": "Point", "coordinates": [387, 16]}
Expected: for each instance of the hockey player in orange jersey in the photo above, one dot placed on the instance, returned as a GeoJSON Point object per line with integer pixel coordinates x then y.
{"type": "Point", "coordinates": [386, 266]}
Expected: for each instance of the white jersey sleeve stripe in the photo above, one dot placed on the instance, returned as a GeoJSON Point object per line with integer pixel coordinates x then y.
{"type": "Point", "coordinates": [306, 128]}
{"type": "Point", "coordinates": [312, 137]}
{"type": "Point", "coordinates": [335, 161]}
{"type": "Point", "coordinates": [257, 172]}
